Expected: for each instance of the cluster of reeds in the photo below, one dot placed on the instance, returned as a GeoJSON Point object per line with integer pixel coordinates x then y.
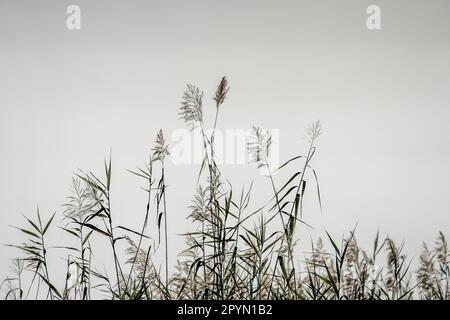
{"type": "Point", "coordinates": [233, 252]}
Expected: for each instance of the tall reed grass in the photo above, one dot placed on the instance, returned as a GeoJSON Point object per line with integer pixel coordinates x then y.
{"type": "Point", "coordinates": [232, 253]}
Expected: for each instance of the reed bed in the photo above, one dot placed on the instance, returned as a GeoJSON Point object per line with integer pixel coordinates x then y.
{"type": "Point", "coordinates": [232, 253]}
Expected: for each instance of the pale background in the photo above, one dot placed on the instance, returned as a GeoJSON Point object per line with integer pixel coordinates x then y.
{"type": "Point", "coordinates": [67, 97]}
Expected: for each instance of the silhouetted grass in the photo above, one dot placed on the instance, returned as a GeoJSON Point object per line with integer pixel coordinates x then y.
{"type": "Point", "coordinates": [232, 252]}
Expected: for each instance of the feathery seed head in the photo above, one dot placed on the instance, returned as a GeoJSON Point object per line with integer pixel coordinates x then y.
{"type": "Point", "coordinates": [441, 249]}
{"type": "Point", "coordinates": [160, 150]}
{"type": "Point", "coordinates": [259, 147]}
{"type": "Point", "coordinates": [222, 91]}
{"type": "Point", "coordinates": [191, 106]}
{"type": "Point", "coordinates": [314, 131]}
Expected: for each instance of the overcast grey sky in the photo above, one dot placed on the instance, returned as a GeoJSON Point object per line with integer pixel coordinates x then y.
{"type": "Point", "coordinates": [67, 97]}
